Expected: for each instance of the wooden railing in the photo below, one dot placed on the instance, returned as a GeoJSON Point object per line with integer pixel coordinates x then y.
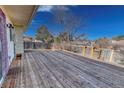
{"type": "Point", "coordinates": [107, 55]}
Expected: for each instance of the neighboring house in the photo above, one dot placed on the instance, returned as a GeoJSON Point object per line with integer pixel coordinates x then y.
{"type": "Point", "coordinates": [27, 42]}
{"type": "Point", "coordinates": [30, 43]}
{"type": "Point", "coordinates": [118, 44]}
{"type": "Point", "coordinates": [83, 42]}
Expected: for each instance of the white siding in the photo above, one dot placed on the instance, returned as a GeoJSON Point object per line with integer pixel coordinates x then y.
{"type": "Point", "coordinates": [18, 39]}
{"type": "Point", "coordinates": [10, 47]}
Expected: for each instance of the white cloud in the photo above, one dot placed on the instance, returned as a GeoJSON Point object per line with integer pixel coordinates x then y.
{"type": "Point", "coordinates": [48, 8]}
{"type": "Point", "coordinates": [45, 8]}
{"type": "Point", "coordinates": [61, 7]}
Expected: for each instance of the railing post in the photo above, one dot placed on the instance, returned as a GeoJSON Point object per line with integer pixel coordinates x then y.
{"type": "Point", "coordinates": [92, 51]}
{"type": "Point", "coordinates": [83, 50]}
{"type": "Point", "coordinates": [111, 56]}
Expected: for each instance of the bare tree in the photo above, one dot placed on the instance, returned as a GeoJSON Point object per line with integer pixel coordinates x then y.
{"type": "Point", "coordinates": [80, 37]}
{"type": "Point", "coordinates": [70, 22]}
{"type": "Point", "coordinates": [102, 42]}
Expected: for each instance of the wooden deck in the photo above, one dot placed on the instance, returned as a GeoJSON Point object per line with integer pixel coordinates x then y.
{"type": "Point", "coordinates": [53, 69]}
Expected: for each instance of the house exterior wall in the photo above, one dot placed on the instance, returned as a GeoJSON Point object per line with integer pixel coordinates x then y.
{"type": "Point", "coordinates": [10, 45]}
{"type": "Point", "coordinates": [3, 40]}
{"type": "Point", "coordinates": [18, 40]}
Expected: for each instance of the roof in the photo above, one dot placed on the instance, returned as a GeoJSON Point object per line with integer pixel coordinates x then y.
{"type": "Point", "coordinates": [19, 15]}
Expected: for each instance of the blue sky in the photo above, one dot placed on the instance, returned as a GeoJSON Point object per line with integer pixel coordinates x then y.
{"type": "Point", "coordinates": [99, 21]}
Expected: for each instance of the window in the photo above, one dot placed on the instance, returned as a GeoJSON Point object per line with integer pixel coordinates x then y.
{"type": "Point", "coordinates": [10, 27]}
{"type": "Point", "coordinates": [11, 39]}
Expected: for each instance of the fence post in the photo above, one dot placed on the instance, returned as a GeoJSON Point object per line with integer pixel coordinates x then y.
{"type": "Point", "coordinates": [92, 51]}
{"type": "Point", "coordinates": [111, 56]}
{"type": "Point", "coordinates": [83, 50]}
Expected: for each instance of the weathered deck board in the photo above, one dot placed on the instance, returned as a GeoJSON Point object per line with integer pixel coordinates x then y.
{"type": "Point", "coordinates": [93, 72]}
{"type": "Point", "coordinates": [54, 69]}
